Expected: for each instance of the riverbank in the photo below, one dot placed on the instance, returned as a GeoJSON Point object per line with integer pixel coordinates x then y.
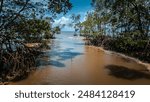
{"type": "Point", "coordinates": [147, 65]}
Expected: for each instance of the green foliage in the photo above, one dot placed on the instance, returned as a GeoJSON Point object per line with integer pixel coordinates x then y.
{"type": "Point", "coordinates": [22, 22]}
{"type": "Point", "coordinates": [75, 22]}
{"type": "Point", "coordinates": [48, 34]}
{"type": "Point", "coordinates": [120, 25]}
{"type": "Point", "coordinates": [33, 30]}
{"type": "Point", "coordinates": [59, 6]}
{"type": "Point", "coordinates": [57, 30]}
{"type": "Point", "coordinates": [136, 48]}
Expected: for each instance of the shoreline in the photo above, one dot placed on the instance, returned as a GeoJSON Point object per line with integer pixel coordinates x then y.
{"type": "Point", "coordinates": [147, 65]}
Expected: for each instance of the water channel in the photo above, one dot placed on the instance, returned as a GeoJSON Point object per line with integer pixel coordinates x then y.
{"type": "Point", "coordinates": [70, 61]}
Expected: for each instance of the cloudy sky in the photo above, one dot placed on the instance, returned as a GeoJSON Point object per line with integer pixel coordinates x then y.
{"type": "Point", "coordinates": [79, 7]}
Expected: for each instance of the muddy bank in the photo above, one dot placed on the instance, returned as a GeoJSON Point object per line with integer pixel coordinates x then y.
{"type": "Point", "coordinates": [128, 58]}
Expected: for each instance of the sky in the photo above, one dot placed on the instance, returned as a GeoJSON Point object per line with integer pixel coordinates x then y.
{"type": "Point", "coordinates": [79, 7]}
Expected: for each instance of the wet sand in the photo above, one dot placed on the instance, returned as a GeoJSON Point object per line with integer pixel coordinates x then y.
{"type": "Point", "coordinates": [70, 62]}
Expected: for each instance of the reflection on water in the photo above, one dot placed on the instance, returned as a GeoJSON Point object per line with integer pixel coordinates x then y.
{"type": "Point", "coordinates": [64, 47]}
{"type": "Point", "coordinates": [71, 62]}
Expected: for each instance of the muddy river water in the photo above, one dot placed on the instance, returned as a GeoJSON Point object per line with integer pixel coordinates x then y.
{"type": "Point", "coordinates": [71, 62]}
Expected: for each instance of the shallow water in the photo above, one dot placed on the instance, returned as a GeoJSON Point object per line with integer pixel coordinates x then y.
{"type": "Point", "coordinates": [71, 62]}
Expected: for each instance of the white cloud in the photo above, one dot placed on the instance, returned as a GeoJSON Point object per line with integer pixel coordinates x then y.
{"type": "Point", "coordinates": [61, 21]}
{"type": "Point", "coordinates": [67, 21]}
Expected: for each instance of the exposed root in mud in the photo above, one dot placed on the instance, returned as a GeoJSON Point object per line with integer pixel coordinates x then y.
{"type": "Point", "coordinates": [16, 64]}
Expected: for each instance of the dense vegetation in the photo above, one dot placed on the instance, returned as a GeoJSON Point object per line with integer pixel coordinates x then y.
{"type": "Point", "coordinates": [23, 22]}
{"type": "Point", "coordinates": [75, 23]}
{"type": "Point", "coordinates": [120, 25]}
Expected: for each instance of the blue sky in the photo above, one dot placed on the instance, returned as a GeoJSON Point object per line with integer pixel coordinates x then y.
{"type": "Point", "coordinates": [79, 7]}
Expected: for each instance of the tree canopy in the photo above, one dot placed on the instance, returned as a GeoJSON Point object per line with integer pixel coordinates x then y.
{"type": "Point", "coordinates": [23, 22]}
{"type": "Point", "coordinates": [120, 25]}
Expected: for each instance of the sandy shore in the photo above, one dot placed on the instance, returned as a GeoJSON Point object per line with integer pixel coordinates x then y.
{"type": "Point", "coordinates": [147, 65]}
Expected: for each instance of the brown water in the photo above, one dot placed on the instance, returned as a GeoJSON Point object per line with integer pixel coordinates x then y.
{"type": "Point", "coordinates": [71, 62]}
